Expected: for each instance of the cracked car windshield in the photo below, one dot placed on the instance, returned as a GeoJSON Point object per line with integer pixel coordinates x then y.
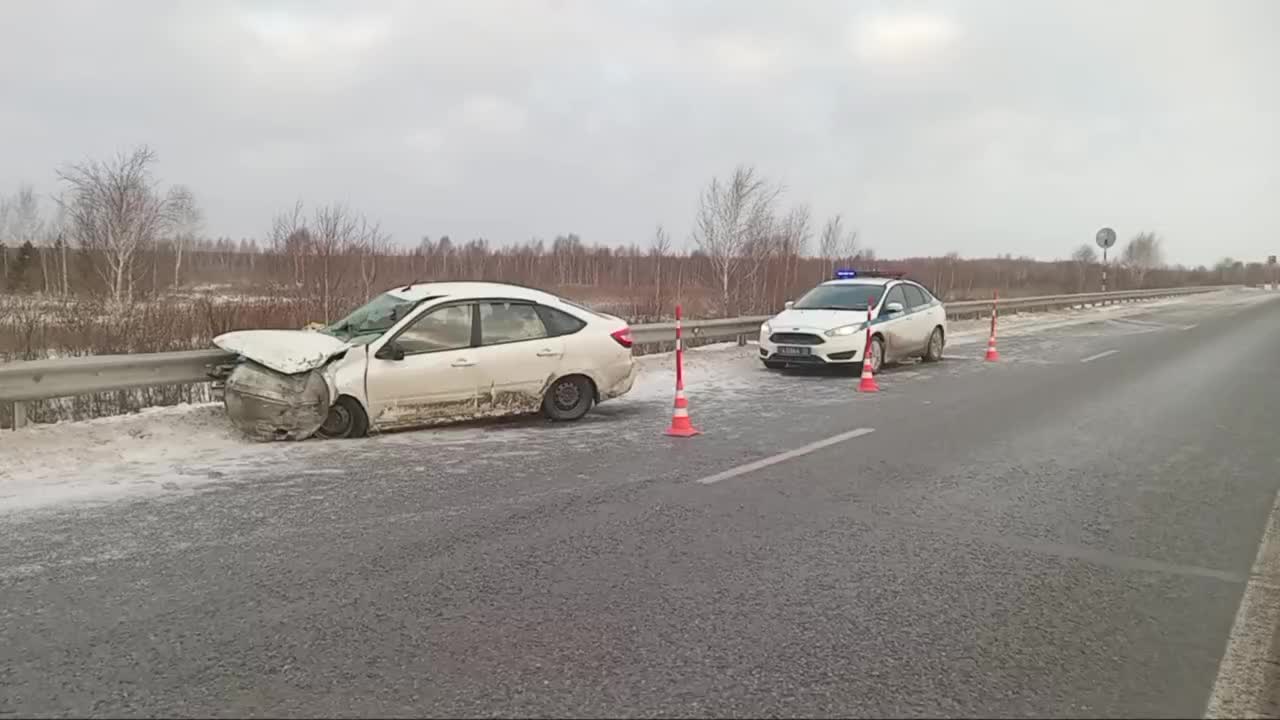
{"type": "Point", "coordinates": [371, 319]}
{"type": "Point", "coordinates": [838, 297]}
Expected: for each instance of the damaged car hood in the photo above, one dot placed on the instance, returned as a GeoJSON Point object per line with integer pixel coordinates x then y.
{"type": "Point", "coordinates": [286, 351]}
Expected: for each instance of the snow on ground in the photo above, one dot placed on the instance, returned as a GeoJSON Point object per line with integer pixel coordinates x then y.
{"type": "Point", "coordinates": [724, 366]}
{"type": "Point", "coordinates": [186, 446]}
{"type": "Point", "coordinates": [47, 464]}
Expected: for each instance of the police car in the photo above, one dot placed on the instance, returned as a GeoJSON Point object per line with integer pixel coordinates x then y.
{"type": "Point", "coordinates": [828, 324]}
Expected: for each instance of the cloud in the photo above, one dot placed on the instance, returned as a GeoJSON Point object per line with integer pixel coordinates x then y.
{"type": "Point", "coordinates": [900, 38]}
{"type": "Point", "coordinates": [981, 126]}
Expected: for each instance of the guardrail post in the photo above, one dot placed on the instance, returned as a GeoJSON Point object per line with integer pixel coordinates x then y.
{"type": "Point", "coordinates": [19, 415]}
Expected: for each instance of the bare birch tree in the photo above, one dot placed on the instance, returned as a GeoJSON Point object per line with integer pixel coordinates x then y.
{"type": "Point", "coordinates": [6, 209]}
{"type": "Point", "coordinates": [26, 227]}
{"type": "Point", "coordinates": [658, 249]}
{"type": "Point", "coordinates": [335, 232]}
{"type": "Point", "coordinates": [185, 218]}
{"type": "Point", "coordinates": [830, 243]}
{"type": "Point", "coordinates": [732, 225]}
{"type": "Point", "coordinates": [114, 212]}
{"type": "Point", "coordinates": [1142, 254]}
{"type": "Point", "coordinates": [849, 248]}
{"type": "Point", "coordinates": [1083, 257]}
{"type": "Point", "coordinates": [289, 237]}
{"type": "Point", "coordinates": [371, 243]}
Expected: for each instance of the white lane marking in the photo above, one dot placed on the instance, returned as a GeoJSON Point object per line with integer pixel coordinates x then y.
{"type": "Point", "coordinates": [784, 456]}
{"type": "Point", "coordinates": [1191, 327]}
{"type": "Point", "coordinates": [1099, 356]}
{"type": "Point", "coordinates": [1242, 687]}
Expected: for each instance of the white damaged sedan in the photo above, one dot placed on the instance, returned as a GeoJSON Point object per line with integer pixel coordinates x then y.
{"type": "Point", "coordinates": [426, 354]}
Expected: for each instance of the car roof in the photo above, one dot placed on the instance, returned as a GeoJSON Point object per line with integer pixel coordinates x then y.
{"type": "Point", "coordinates": [418, 291]}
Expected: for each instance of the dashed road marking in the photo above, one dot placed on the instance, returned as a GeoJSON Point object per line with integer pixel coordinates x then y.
{"type": "Point", "coordinates": [784, 456]}
{"type": "Point", "coordinates": [1099, 356]}
{"type": "Point", "coordinates": [1193, 326]}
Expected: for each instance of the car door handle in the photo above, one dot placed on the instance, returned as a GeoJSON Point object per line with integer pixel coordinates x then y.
{"type": "Point", "coordinates": [463, 362]}
{"type": "Point", "coordinates": [547, 352]}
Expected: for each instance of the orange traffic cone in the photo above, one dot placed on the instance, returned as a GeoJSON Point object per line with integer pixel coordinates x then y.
{"type": "Point", "coordinates": [868, 381]}
{"type": "Point", "coordinates": [681, 425]}
{"type": "Point", "coordinates": [992, 354]}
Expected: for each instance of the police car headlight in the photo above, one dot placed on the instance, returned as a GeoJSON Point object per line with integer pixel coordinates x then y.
{"type": "Point", "coordinates": [765, 328]}
{"type": "Point", "coordinates": [845, 330]}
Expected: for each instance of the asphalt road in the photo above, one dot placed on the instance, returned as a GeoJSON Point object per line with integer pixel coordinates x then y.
{"type": "Point", "coordinates": [1038, 537]}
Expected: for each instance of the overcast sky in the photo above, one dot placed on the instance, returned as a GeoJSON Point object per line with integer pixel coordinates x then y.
{"type": "Point", "coordinates": [981, 127]}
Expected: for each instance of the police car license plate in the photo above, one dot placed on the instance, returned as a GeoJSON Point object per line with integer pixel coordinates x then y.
{"type": "Point", "coordinates": [788, 350]}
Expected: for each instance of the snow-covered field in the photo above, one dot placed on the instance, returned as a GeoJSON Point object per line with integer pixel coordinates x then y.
{"type": "Point", "coordinates": [183, 447]}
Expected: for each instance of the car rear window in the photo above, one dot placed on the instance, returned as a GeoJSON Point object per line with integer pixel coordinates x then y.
{"type": "Point", "coordinates": [915, 296]}
{"type": "Point", "coordinates": [505, 322]}
{"type": "Point", "coordinates": [558, 322]}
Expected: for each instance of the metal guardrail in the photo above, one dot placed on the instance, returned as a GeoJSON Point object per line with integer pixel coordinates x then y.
{"type": "Point", "coordinates": [23, 381]}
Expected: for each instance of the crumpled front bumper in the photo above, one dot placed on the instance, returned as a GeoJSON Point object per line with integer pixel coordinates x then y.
{"type": "Point", "coordinates": [267, 405]}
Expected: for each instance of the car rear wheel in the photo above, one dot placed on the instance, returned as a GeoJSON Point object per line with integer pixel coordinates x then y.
{"type": "Point", "coordinates": [933, 353]}
{"type": "Point", "coordinates": [346, 419]}
{"type": "Point", "coordinates": [568, 398]}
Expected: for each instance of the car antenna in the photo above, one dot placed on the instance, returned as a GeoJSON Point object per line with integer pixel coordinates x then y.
{"type": "Point", "coordinates": [410, 285]}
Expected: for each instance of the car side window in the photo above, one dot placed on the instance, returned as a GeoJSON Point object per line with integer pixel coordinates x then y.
{"type": "Point", "coordinates": [895, 296]}
{"type": "Point", "coordinates": [559, 322]}
{"type": "Point", "coordinates": [915, 296]}
{"type": "Point", "coordinates": [504, 322]}
{"type": "Point", "coordinates": [448, 328]}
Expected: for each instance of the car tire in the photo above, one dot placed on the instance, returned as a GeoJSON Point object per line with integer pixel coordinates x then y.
{"type": "Point", "coordinates": [774, 364]}
{"type": "Point", "coordinates": [346, 419]}
{"type": "Point", "coordinates": [933, 351]}
{"type": "Point", "coordinates": [877, 354]}
{"type": "Point", "coordinates": [568, 398]}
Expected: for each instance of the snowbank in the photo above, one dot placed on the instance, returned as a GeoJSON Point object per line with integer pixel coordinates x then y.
{"type": "Point", "coordinates": [45, 464]}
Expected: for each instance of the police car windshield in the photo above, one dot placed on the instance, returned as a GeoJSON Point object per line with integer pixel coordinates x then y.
{"type": "Point", "coordinates": [839, 297]}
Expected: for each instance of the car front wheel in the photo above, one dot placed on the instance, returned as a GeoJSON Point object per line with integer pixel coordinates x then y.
{"type": "Point", "coordinates": [933, 353]}
{"type": "Point", "coordinates": [877, 354]}
{"type": "Point", "coordinates": [346, 419]}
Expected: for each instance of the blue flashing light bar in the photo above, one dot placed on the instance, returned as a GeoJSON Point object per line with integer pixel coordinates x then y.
{"type": "Point", "coordinates": [846, 274]}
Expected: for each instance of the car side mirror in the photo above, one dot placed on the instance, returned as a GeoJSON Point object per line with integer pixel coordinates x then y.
{"type": "Point", "coordinates": [390, 351]}
{"type": "Point", "coordinates": [894, 307]}
{"type": "Point", "coordinates": [788, 304]}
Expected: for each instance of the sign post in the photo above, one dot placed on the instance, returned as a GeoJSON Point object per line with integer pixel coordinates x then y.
{"type": "Point", "coordinates": [1105, 238]}
{"type": "Point", "coordinates": [1271, 263]}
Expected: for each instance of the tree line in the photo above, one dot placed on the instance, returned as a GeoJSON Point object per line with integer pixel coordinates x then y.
{"type": "Point", "coordinates": [113, 232]}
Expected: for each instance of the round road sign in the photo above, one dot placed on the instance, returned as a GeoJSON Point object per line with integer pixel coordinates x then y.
{"type": "Point", "coordinates": [1106, 237]}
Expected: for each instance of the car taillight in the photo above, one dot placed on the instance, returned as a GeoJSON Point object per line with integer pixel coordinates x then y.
{"type": "Point", "coordinates": [623, 337]}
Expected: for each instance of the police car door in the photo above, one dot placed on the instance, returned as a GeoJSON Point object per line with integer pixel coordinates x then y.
{"type": "Point", "coordinates": [896, 326]}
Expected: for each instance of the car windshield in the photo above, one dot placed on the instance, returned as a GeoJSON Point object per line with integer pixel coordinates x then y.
{"type": "Point", "coordinates": [373, 318]}
{"type": "Point", "coordinates": [839, 297]}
